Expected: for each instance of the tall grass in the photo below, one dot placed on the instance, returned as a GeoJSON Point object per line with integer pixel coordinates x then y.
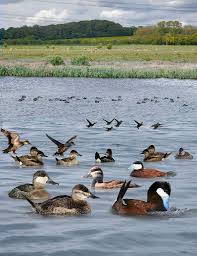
{"type": "Point", "coordinates": [95, 72]}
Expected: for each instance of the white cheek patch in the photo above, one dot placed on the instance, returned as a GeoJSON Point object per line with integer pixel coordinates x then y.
{"type": "Point", "coordinates": [41, 180]}
{"type": "Point", "coordinates": [137, 166]}
{"type": "Point", "coordinates": [164, 196]}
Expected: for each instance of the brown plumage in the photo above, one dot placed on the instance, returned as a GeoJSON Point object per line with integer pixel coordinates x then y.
{"type": "Point", "coordinates": [62, 147]}
{"type": "Point", "coordinates": [182, 154]}
{"type": "Point", "coordinates": [157, 200]}
{"type": "Point", "coordinates": [13, 141]}
{"type": "Point", "coordinates": [66, 205]}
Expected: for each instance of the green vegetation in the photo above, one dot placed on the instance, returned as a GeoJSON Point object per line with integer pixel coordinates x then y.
{"type": "Point", "coordinates": [101, 32]}
{"type": "Point", "coordinates": [80, 61]}
{"type": "Point", "coordinates": [56, 60]}
{"type": "Point", "coordinates": [122, 53]}
{"type": "Point", "coordinates": [95, 72]}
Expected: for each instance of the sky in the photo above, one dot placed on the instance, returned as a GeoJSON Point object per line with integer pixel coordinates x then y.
{"type": "Point", "coordinates": [16, 13]}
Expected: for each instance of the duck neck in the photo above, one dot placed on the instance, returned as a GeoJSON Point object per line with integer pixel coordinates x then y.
{"type": "Point", "coordinates": [98, 179]}
{"type": "Point", "coordinates": [38, 185]}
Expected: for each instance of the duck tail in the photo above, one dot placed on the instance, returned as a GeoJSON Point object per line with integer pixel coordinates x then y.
{"type": "Point", "coordinates": [123, 190]}
{"type": "Point", "coordinates": [97, 156]}
{"type": "Point", "coordinates": [35, 206]}
{"type": "Point", "coordinates": [167, 155]}
{"type": "Point", "coordinates": [171, 173]}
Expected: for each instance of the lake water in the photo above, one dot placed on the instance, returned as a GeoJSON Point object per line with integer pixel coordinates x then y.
{"type": "Point", "coordinates": [101, 233]}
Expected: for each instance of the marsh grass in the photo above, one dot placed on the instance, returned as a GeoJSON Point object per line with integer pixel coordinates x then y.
{"type": "Point", "coordinates": [181, 54]}
{"type": "Point", "coordinates": [95, 72]}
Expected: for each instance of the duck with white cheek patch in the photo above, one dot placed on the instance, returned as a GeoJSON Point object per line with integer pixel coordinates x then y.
{"type": "Point", "coordinates": [157, 200]}
{"type": "Point", "coordinates": [139, 171]}
{"type": "Point", "coordinates": [35, 190]}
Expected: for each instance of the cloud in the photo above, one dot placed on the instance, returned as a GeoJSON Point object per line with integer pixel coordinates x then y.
{"type": "Point", "coordinates": [44, 17]}
{"type": "Point", "coordinates": [111, 14]}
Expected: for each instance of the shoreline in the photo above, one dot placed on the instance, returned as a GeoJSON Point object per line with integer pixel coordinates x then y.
{"type": "Point", "coordinates": [101, 71]}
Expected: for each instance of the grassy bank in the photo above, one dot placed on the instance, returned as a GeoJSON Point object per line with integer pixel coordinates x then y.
{"type": "Point", "coordinates": [95, 72]}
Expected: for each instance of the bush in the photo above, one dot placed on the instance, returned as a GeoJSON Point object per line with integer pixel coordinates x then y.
{"type": "Point", "coordinates": [57, 60]}
{"type": "Point", "coordinates": [109, 46]}
{"type": "Point", "coordinates": [80, 61]}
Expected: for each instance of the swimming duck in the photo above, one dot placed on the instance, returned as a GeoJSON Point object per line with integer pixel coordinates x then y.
{"type": "Point", "coordinates": [182, 154]}
{"type": "Point", "coordinates": [90, 124]}
{"type": "Point", "coordinates": [152, 151]}
{"type": "Point", "coordinates": [106, 158]}
{"type": "Point", "coordinates": [157, 200]}
{"type": "Point", "coordinates": [65, 205]}
{"type": "Point", "coordinates": [139, 124]}
{"type": "Point", "coordinates": [97, 174]}
{"type": "Point", "coordinates": [35, 190]}
{"type": "Point", "coordinates": [148, 157]}
{"type": "Point", "coordinates": [13, 141]}
{"type": "Point", "coordinates": [139, 171]}
{"type": "Point", "coordinates": [69, 161]}
{"type": "Point", "coordinates": [62, 147]}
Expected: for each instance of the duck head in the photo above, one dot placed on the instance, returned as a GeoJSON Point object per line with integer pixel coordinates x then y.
{"type": "Point", "coordinates": [41, 178]}
{"type": "Point", "coordinates": [26, 142]}
{"type": "Point", "coordinates": [137, 165]}
{"type": "Point", "coordinates": [81, 192]}
{"type": "Point", "coordinates": [74, 153]}
{"type": "Point", "coordinates": [108, 152]}
{"type": "Point", "coordinates": [159, 194]}
{"type": "Point", "coordinates": [151, 149]}
{"type": "Point", "coordinates": [97, 174]}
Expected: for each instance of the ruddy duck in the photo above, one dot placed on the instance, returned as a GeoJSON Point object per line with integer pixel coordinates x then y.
{"type": "Point", "coordinates": [139, 124]}
{"type": "Point", "coordinates": [182, 154]}
{"type": "Point", "coordinates": [69, 161]}
{"type": "Point", "coordinates": [90, 124]}
{"type": "Point", "coordinates": [157, 200]}
{"type": "Point", "coordinates": [62, 147]}
{"type": "Point", "coordinates": [156, 125]}
{"type": "Point", "coordinates": [13, 141]}
{"type": "Point", "coordinates": [108, 122]}
{"type": "Point", "coordinates": [139, 171]}
{"type": "Point", "coordinates": [35, 190]}
{"type": "Point", "coordinates": [97, 174]}
{"type": "Point", "coordinates": [106, 158]}
{"type": "Point", "coordinates": [118, 123]}
{"type": "Point", "coordinates": [152, 152]}
{"type": "Point", "coordinates": [33, 159]}
{"type": "Point", "coordinates": [65, 205]}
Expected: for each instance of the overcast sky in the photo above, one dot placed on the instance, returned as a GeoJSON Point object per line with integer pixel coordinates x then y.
{"type": "Point", "coordinates": [15, 13]}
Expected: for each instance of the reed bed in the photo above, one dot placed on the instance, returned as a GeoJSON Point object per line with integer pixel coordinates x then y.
{"type": "Point", "coordinates": [93, 72]}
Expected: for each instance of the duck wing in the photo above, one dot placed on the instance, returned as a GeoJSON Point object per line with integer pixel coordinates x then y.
{"type": "Point", "coordinates": [58, 201]}
{"type": "Point", "coordinates": [59, 144]}
{"type": "Point", "coordinates": [88, 121]}
{"type": "Point", "coordinates": [71, 139]}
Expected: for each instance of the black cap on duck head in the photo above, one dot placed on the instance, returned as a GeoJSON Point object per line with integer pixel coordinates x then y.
{"type": "Point", "coordinates": [159, 194]}
{"type": "Point", "coordinates": [42, 177]}
{"type": "Point", "coordinates": [109, 151]}
{"type": "Point", "coordinates": [95, 171]}
{"type": "Point", "coordinates": [74, 152]}
{"type": "Point", "coordinates": [180, 150]}
{"type": "Point", "coordinates": [138, 165]}
{"type": "Point", "coordinates": [81, 192]}
{"type": "Point", "coordinates": [151, 148]}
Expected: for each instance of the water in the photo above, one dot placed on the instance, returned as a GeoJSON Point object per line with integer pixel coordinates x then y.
{"type": "Point", "coordinates": [25, 233]}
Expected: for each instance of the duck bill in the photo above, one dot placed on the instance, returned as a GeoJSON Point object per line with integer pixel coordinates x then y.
{"type": "Point", "coordinates": [79, 154]}
{"type": "Point", "coordinates": [93, 196]}
{"type": "Point", "coordinates": [87, 176]}
{"type": "Point", "coordinates": [50, 181]}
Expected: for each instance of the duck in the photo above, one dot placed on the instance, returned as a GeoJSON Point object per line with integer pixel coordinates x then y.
{"type": "Point", "coordinates": [97, 174]}
{"type": "Point", "coordinates": [106, 158]}
{"type": "Point", "coordinates": [118, 123]}
{"type": "Point", "coordinates": [13, 141]}
{"type": "Point", "coordinates": [90, 124]}
{"type": "Point", "coordinates": [139, 171]}
{"type": "Point", "coordinates": [36, 189]}
{"type": "Point", "coordinates": [108, 122]}
{"type": "Point", "coordinates": [75, 204]}
{"type": "Point", "coordinates": [182, 154]}
{"type": "Point", "coordinates": [33, 159]}
{"type": "Point", "coordinates": [156, 125]}
{"type": "Point", "coordinates": [152, 151]}
{"type": "Point", "coordinates": [157, 200]}
{"type": "Point", "coordinates": [62, 147]}
{"type": "Point", "coordinates": [139, 124]}
{"type": "Point", "coordinates": [69, 161]}
{"type": "Point", "coordinates": [148, 157]}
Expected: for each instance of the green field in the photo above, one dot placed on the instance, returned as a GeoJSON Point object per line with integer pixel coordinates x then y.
{"type": "Point", "coordinates": [117, 53]}
{"type": "Point", "coordinates": [136, 61]}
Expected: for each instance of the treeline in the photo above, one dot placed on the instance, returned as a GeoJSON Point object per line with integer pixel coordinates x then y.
{"type": "Point", "coordinates": [81, 29]}
{"type": "Point", "coordinates": [97, 32]}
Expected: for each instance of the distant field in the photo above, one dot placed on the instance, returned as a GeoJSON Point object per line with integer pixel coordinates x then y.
{"type": "Point", "coordinates": [122, 53]}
